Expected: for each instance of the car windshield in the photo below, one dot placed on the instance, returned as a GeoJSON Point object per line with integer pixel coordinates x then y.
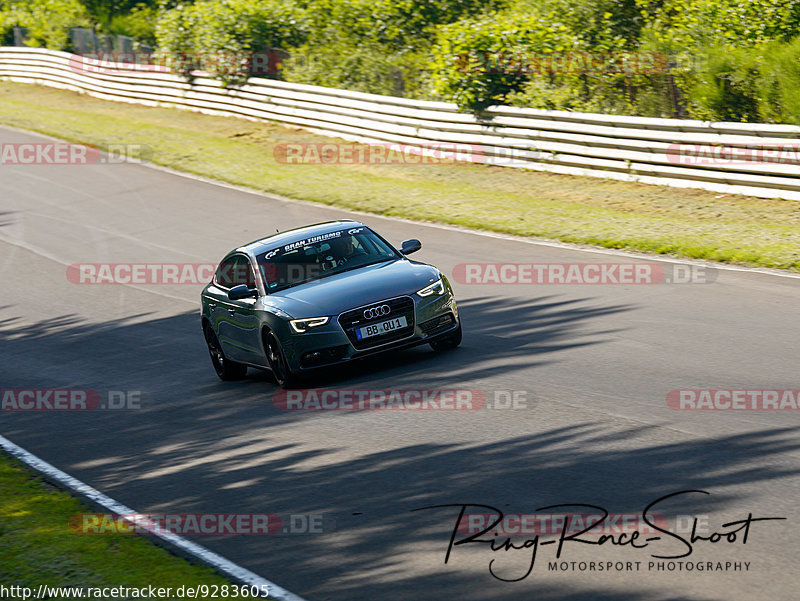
{"type": "Point", "coordinates": [320, 256]}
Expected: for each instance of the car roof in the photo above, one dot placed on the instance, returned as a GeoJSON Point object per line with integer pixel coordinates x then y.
{"type": "Point", "coordinates": [299, 233]}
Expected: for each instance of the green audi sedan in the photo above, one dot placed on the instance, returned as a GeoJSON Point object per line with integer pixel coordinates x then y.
{"type": "Point", "coordinates": [319, 296]}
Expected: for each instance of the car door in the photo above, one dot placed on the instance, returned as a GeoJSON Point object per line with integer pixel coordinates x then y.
{"type": "Point", "coordinates": [215, 297]}
{"type": "Point", "coordinates": [237, 329]}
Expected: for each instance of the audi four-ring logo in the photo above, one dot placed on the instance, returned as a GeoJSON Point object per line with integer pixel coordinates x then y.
{"type": "Point", "coordinates": [379, 311]}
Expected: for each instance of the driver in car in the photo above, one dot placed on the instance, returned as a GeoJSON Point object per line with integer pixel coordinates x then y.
{"type": "Point", "coordinates": [343, 250]}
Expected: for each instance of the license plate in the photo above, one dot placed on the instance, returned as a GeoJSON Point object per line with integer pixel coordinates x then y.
{"type": "Point", "coordinates": [382, 327]}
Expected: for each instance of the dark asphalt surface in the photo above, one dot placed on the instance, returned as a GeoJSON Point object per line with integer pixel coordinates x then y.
{"type": "Point", "coordinates": [595, 361]}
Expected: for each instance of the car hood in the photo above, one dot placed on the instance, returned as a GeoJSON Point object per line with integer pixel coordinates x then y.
{"type": "Point", "coordinates": [337, 293]}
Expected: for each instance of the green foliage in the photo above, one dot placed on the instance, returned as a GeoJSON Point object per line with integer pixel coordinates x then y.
{"type": "Point", "coordinates": [550, 54]}
{"type": "Point", "coordinates": [404, 22]}
{"type": "Point", "coordinates": [478, 62]}
{"type": "Point", "coordinates": [375, 46]}
{"type": "Point", "coordinates": [720, 59]}
{"type": "Point", "coordinates": [710, 59]}
{"type": "Point", "coordinates": [219, 35]}
{"type": "Point", "coordinates": [351, 45]}
{"type": "Point", "coordinates": [396, 24]}
{"type": "Point", "coordinates": [739, 84]}
{"type": "Point", "coordinates": [365, 68]}
{"type": "Point", "coordinates": [735, 59]}
{"type": "Point", "coordinates": [724, 88]}
{"type": "Point", "coordinates": [693, 24]}
{"type": "Point", "coordinates": [105, 11]}
{"type": "Point", "coordinates": [139, 23]}
{"type": "Point", "coordinates": [48, 21]}
{"type": "Point", "coordinates": [600, 24]}
{"type": "Point", "coordinates": [779, 83]}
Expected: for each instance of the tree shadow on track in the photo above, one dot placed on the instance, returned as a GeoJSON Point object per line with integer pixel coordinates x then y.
{"type": "Point", "coordinates": [166, 360]}
{"type": "Point", "coordinates": [5, 218]}
{"type": "Point", "coordinates": [199, 445]}
{"type": "Point", "coordinates": [501, 336]}
{"type": "Point", "coordinates": [496, 330]}
{"type": "Point", "coordinates": [371, 497]}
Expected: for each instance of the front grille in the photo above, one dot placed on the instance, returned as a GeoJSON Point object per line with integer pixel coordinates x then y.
{"type": "Point", "coordinates": [323, 356]}
{"type": "Point", "coordinates": [436, 325]}
{"type": "Point", "coordinates": [402, 306]}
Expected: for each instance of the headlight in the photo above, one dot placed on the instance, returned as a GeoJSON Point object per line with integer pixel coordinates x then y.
{"type": "Point", "coordinates": [304, 325]}
{"type": "Point", "coordinates": [436, 288]}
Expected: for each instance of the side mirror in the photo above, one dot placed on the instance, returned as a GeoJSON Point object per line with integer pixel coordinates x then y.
{"type": "Point", "coordinates": [410, 246]}
{"type": "Point", "coordinates": [241, 291]}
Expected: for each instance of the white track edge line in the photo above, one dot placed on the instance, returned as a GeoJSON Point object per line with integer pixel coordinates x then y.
{"type": "Point", "coordinates": [200, 553]}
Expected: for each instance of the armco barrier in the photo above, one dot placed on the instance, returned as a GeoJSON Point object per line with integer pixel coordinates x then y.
{"type": "Point", "coordinates": [670, 152]}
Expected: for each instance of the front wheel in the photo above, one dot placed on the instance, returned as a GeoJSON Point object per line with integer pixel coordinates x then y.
{"type": "Point", "coordinates": [284, 376]}
{"type": "Point", "coordinates": [226, 369]}
{"type": "Point", "coordinates": [451, 342]}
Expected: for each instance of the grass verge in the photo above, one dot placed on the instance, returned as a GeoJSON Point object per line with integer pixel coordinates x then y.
{"type": "Point", "coordinates": [37, 546]}
{"type": "Point", "coordinates": [654, 219]}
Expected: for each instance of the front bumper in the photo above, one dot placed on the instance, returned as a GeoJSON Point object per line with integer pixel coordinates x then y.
{"type": "Point", "coordinates": [429, 319]}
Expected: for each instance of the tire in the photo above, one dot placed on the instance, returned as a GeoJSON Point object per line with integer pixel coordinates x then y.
{"type": "Point", "coordinates": [226, 369]}
{"type": "Point", "coordinates": [281, 372]}
{"type": "Point", "coordinates": [448, 343]}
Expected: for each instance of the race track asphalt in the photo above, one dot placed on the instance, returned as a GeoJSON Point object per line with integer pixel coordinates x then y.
{"type": "Point", "coordinates": [595, 364]}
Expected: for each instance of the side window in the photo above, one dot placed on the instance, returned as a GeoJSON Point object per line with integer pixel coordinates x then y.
{"type": "Point", "coordinates": [243, 272]}
{"type": "Point", "coordinates": [224, 274]}
{"type": "Point", "coordinates": [234, 271]}
{"type": "Point", "coordinates": [358, 244]}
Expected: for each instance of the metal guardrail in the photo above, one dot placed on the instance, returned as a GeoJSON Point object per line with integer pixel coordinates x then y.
{"type": "Point", "coordinates": [734, 158]}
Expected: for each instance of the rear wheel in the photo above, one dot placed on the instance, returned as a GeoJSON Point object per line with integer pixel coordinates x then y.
{"type": "Point", "coordinates": [451, 342]}
{"type": "Point", "coordinates": [226, 369]}
{"type": "Point", "coordinates": [283, 375]}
